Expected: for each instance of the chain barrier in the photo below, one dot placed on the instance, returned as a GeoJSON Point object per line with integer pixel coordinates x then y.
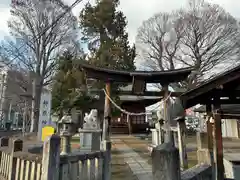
{"type": "Point", "coordinates": [136, 114]}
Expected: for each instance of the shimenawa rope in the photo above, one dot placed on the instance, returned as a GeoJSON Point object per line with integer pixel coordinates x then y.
{"type": "Point", "coordinates": [135, 114]}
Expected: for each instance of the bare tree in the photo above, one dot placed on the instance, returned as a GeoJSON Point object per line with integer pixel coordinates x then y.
{"type": "Point", "coordinates": [35, 49]}
{"type": "Point", "coordinates": [210, 37]}
{"type": "Point", "coordinates": [158, 41]}
{"type": "Point", "coordinates": [203, 36]}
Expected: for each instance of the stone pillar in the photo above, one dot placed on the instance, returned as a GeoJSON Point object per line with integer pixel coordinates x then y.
{"type": "Point", "coordinates": [4, 141]}
{"type": "Point", "coordinates": [107, 111]}
{"type": "Point", "coordinates": [201, 139]}
{"type": "Point", "coordinates": [51, 158]}
{"type": "Point", "coordinates": [155, 137]}
{"type": "Point", "coordinates": [181, 129]}
{"type": "Point", "coordinates": [175, 138]}
{"type": "Point", "coordinates": [107, 161]}
{"type": "Point", "coordinates": [165, 162]}
{"type": "Point", "coordinates": [66, 144]}
{"type": "Point", "coordinates": [167, 118]}
{"type": "Point", "coordinates": [203, 154]}
{"type": "Point", "coordinates": [161, 131]}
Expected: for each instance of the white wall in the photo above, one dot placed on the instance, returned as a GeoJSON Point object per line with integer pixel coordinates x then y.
{"type": "Point", "coordinates": [229, 128]}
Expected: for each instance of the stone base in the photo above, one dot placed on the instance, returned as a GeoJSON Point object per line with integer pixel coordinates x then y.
{"type": "Point", "coordinates": [231, 163]}
{"type": "Point", "coordinates": [90, 140]}
{"type": "Point", "coordinates": [155, 136]}
{"type": "Point", "coordinates": [204, 156]}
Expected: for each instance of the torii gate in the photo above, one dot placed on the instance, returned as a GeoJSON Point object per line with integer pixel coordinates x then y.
{"type": "Point", "coordinates": [139, 79]}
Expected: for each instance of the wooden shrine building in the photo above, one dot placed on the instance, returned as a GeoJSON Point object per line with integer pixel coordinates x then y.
{"type": "Point", "coordinates": [136, 104]}
{"type": "Point", "coordinates": [138, 79]}
{"type": "Point", "coordinates": [230, 114]}
{"type": "Point", "coordinates": [214, 94]}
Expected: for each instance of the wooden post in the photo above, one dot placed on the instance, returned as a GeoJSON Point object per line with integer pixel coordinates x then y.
{"type": "Point", "coordinates": [107, 112]}
{"type": "Point", "coordinates": [107, 161]}
{"type": "Point", "coordinates": [129, 124]}
{"type": "Point", "coordinates": [51, 158]}
{"type": "Point", "coordinates": [209, 132]}
{"type": "Point", "coordinates": [169, 133]}
{"type": "Point", "coordinates": [182, 143]}
{"type": "Point", "coordinates": [218, 144]}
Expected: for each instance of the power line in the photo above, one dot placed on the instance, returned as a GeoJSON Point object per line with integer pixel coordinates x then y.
{"type": "Point", "coordinates": [50, 26]}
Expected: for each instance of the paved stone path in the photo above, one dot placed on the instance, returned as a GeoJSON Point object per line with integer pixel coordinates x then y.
{"type": "Point", "coordinates": [137, 164]}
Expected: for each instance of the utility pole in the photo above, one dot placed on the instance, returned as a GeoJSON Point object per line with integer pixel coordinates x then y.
{"type": "Point", "coordinates": [3, 91]}
{"type": "Point", "coordinates": [33, 119]}
{"type": "Point", "coordinates": [24, 117]}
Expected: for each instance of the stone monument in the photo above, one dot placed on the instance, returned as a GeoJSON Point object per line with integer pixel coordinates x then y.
{"type": "Point", "coordinates": [157, 132]}
{"type": "Point", "coordinates": [90, 134]}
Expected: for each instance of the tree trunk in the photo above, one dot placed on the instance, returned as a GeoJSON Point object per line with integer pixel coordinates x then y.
{"type": "Point", "coordinates": [37, 91]}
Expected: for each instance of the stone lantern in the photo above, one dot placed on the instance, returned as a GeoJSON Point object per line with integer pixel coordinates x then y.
{"type": "Point", "coordinates": [66, 131]}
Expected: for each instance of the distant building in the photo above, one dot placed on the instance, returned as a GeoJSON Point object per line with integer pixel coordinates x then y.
{"type": "Point", "coordinates": [230, 127]}
{"type": "Point", "coordinates": [15, 94]}
{"type": "Point", "coordinates": [14, 86]}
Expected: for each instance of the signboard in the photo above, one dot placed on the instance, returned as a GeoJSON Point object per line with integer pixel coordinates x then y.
{"type": "Point", "coordinates": [46, 132]}
{"type": "Point", "coordinates": [44, 111]}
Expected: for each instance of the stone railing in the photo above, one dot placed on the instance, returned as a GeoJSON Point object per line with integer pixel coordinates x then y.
{"type": "Point", "coordinates": [199, 172]}
{"type": "Point", "coordinates": [88, 166]}
{"type": "Point", "coordinates": [82, 166]}
{"type": "Point", "coordinates": [50, 165]}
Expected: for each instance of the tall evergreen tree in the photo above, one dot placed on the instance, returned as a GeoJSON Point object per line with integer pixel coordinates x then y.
{"type": "Point", "coordinates": [67, 89]}
{"type": "Point", "coordinates": [104, 29]}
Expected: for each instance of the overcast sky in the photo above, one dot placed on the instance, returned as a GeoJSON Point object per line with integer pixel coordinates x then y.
{"type": "Point", "coordinates": [135, 10]}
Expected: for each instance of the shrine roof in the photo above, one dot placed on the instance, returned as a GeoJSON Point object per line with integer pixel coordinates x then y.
{"type": "Point", "coordinates": [227, 82]}
{"type": "Point", "coordinates": [225, 108]}
{"type": "Point", "coordinates": [228, 111]}
{"type": "Point", "coordinates": [127, 76]}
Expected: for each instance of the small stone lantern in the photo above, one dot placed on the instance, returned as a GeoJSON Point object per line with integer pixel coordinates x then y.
{"type": "Point", "coordinates": [67, 130]}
